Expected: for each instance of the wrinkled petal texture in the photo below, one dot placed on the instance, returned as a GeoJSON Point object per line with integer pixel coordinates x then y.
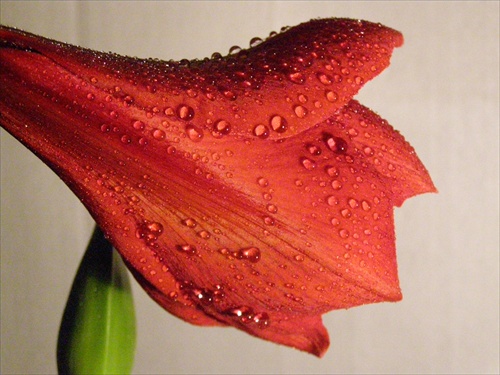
{"type": "Point", "coordinates": [248, 190]}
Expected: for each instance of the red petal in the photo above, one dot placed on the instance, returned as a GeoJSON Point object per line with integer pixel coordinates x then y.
{"type": "Point", "coordinates": [219, 225]}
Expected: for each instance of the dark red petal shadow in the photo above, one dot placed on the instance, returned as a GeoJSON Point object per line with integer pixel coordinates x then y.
{"type": "Point", "coordinates": [248, 191]}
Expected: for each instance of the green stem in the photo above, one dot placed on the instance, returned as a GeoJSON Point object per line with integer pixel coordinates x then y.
{"type": "Point", "coordinates": [97, 333]}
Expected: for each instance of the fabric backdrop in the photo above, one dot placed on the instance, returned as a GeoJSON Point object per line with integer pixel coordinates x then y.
{"type": "Point", "coordinates": [441, 92]}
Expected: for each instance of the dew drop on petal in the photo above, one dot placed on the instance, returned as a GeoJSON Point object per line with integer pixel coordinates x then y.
{"type": "Point", "coordinates": [126, 139]}
{"type": "Point", "coordinates": [299, 258]}
{"type": "Point", "coordinates": [302, 98]}
{"type": "Point", "coordinates": [331, 96]}
{"type": "Point", "coordinates": [251, 254]}
{"type": "Point", "coordinates": [336, 144]}
{"type": "Point", "coordinates": [229, 95]}
{"type": "Point", "coordinates": [300, 111]}
{"type": "Point", "coordinates": [261, 319]}
{"type": "Point", "coordinates": [332, 171]}
{"type": "Point", "coordinates": [278, 124]}
{"type": "Point", "coordinates": [331, 200]}
{"type": "Point", "coordinates": [254, 42]}
{"type": "Point", "coordinates": [261, 131]}
{"type": "Point", "coordinates": [272, 208]}
{"type": "Point", "coordinates": [297, 78]}
{"type": "Point", "coordinates": [204, 234]}
{"type": "Point", "coordinates": [190, 223]}
{"type": "Point", "coordinates": [158, 134]}
{"type": "Point", "coordinates": [194, 133]}
{"type": "Point", "coordinates": [368, 151]}
{"type": "Point", "coordinates": [366, 205]}
{"type": "Point", "coordinates": [325, 79]}
{"type": "Point", "coordinates": [262, 181]}
{"type": "Point", "coordinates": [234, 50]}
{"type": "Point", "coordinates": [344, 233]}
{"type": "Point", "coordinates": [138, 125]}
{"type": "Point", "coordinates": [336, 184]}
{"type": "Point", "coordinates": [308, 163]}
{"type": "Point", "coordinates": [268, 220]}
{"type": "Point", "coordinates": [185, 112]}
{"type": "Point", "coordinates": [169, 111]}
{"type": "Point", "coordinates": [222, 127]}
{"type": "Point", "coordinates": [359, 80]}
{"type": "Point", "coordinates": [313, 150]}
{"type": "Point", "coordinates": [345, 213]}
{"type": "Point", "coordinates": [188, 249]}
{"type": "Point", "coordinates": [353, 203]}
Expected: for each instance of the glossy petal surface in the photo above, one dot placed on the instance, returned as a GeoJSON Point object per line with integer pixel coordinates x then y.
{"type": "Point", "coordinates": [249, 190]}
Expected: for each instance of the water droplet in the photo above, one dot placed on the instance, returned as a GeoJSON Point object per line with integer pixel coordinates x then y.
{"type": "Point", "coordinates": [262, 181]}
{"type": "Point", "coordinates": [278, 124]}
{"type": "Point", "coordinates": [190, 223]}
{"type": "Point", "coordinates": [158, 134]}
{"type": "Point", "coordinates": [332, 171]}
{"type": "Point", "coordinates": [299, 258]}
{"type": "Point", "coordinates": [366, 205]}
{"type": "Point", "coordinates": [300, 111]}
{"type": "Point", "coordinates": [155, 227]}
{"type": "Point", "coordinates": [203, 234]}
{"type": "Point", "coordinates": [297, 78]}
{"type": "Point", "coordinates": [336, 144]}
{"type": "Point", "coordinates": [251, 254]}
{"type": "Point", "coordinates": [344, 233]}
{"type": "Point", "coordinates": [138, 125]}
{"type": "Point", "coordinates": [331, 200]}
{"type": "Point", "coordinates": [90, 96]}
{"type": "Point", "coordinates": [169, 111]}
{"type": "Point", "coordinates": [352, 132]}
{"type": "Point", "coordinates": [254, 42]}
{"type": "Point", "coordinates": [345, 213]}
{"type": "Point", "coordinates": [230, 95]}
{"type": "Point", "coordinates": [188, 249]}
{"type": "Point", "coordinates": [325, 79]}
{"type": "Point", "coordinates": [268, 220]}
{"type": "Point", "coordinates": [336, 184]}
{"type": "Point", "coordinates": [261, 131]}
{"type": "Point", "coordinates": [126, 139]}
{"type": "Point", "coordinates": [353, 203]}
{"type": "Point", "coordinates": [105, 128]}
{"type": "Point", "coordinates": [302, 98]}
{"type": "Point", "coordinates": [368, 151]}
{"type": "Point", "coordinates": [313, 149]}
{"type": "Point", "coordinates": [222, 127]}
{"type": "Point", "coordinates": [234, 50]}
{"type": "Point", "coordinates": [308, 163]}
{"type": "Point", "coordinates": [194, 133]}
{"type": "Point", "coordinates": [331, 96]}
{"type": "Point", "coordinates": [185, 112]}
{"type": "Point", "coordinates": [261, 319]}
{"type": "Point", "coordinates": [272, 208]}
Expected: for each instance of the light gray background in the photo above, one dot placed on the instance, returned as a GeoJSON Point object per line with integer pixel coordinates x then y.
{"type": "Point", "coordinates": [441, 92]}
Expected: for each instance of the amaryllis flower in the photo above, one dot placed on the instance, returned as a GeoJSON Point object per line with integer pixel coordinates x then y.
{"type": "Point", "coordinates": [249, 190]}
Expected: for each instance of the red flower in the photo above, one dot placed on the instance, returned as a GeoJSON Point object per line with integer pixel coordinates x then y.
{"type": "Point", "coordinates": [249, 190]}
